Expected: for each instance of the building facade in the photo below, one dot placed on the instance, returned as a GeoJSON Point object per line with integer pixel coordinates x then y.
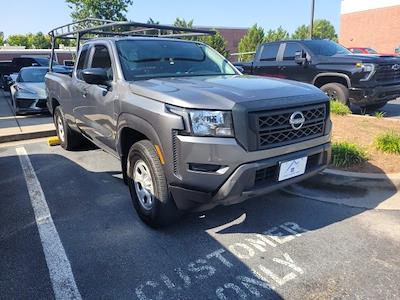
{"type": "Point", "coordinates": [372, 23]}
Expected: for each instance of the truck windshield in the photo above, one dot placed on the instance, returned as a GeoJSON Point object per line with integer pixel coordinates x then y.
{"type": "Point", "coordinates": [146, 59]}
{"type": "Point", "coordinates": [326, 48]}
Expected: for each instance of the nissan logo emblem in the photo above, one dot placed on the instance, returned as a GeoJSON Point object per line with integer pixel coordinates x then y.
{"type": "Point", "coordinates": [396, 67]}
{"type": "Point", "coordinates": [297, 120]}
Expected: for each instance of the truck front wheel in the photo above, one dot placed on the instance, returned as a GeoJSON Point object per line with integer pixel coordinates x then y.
{"type": "Point", "coordinates": [148, 186]}
{"type": "Point", "coordinates": [336, 92]}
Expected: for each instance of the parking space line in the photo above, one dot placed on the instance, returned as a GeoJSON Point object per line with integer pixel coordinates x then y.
{"type": "Point", "coordinates": [61, 276]}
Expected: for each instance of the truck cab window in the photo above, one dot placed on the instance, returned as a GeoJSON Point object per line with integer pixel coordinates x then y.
{"type": "Point", "coordinates": [101, 59]}
{"type": "Point", "coordinates": [269, 52]}
{"type": "Point", "coordinates": [290, 51]}
{"type": "Point", "coordinates": [81, 62]}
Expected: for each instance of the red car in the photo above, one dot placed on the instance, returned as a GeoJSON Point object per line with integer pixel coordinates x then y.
{"type": "Point", "coordinates": [363, 50]}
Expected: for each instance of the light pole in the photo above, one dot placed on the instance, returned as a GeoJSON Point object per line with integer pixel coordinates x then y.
{"type": "Point", "coordinates": [310, 34]}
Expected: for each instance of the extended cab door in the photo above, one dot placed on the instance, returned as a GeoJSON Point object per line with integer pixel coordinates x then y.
{"type": "Point", "coordinates": [288, 68]}
{"type": "Point", "coordinates": [102, 100]}
{"type": "Point", "coordinates": [266, 63]}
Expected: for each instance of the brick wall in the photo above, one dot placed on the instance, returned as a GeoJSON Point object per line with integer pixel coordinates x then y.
{"type": "Point", "coordinates": [376, 28]}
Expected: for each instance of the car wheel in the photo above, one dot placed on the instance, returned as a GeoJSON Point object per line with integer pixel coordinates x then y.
{"type": "Point", "coordinates": [374, 107]}
{"type": "Point", "coordinates": [336, 92]}
{"type": "Point", "coordinates": [148, 186]}
{"type": "Point", "coordinates": [69, 139]}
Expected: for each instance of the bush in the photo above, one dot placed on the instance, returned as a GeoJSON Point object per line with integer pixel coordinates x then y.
{"type": "Point", "coordinates": [388, 142]}
{"type": "Point", "coordinates": [340, 109]}
{"type": "Point", "coordinates": [345, 154]}
{"type": "Point", "coordinates": [380, 114]}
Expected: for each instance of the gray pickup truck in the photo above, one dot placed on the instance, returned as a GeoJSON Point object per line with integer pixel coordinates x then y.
{"type": "Point", "coordinates": [189, 129]}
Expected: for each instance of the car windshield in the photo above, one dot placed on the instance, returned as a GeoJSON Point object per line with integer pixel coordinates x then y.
{"type": "Point", "coordinates": [371, 51]}
{"type": "Point", "coordinates": [32, 75]}
{"type": "Point", "coordinates": [45, 61]}
{"type": "Point", "coordinates": [145, 59]}
{"type": "Point", "coordinates": [326, 48]}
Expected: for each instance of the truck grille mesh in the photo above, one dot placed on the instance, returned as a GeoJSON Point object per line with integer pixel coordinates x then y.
{"type": "Point", "coordinates": [386, 73]}
{"type": "Point", "coordinates": [273, 129]}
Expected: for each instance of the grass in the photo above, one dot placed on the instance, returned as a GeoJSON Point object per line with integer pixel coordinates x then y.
{"type": "Point", "coordinates": [345, 154]}
{"type": "Point", "coordinates": [340, 109]}
{"type": "Point", "coordinates": [380, 114]}
{"type": "Point", "coordinates": [388, 142]}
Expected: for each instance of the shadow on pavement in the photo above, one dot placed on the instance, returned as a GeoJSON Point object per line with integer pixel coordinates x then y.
{"type": "Point", "coordinates": [114, 255]}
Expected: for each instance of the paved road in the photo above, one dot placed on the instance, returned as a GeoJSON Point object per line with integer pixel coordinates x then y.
{"type": "Point", "coordinates": [391, 109]}
{"type": "Point", "coordinates": [93, 245]}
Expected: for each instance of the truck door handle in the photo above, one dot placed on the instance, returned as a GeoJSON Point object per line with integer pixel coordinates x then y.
{"type": "Point", "coordinates": [84, 93]}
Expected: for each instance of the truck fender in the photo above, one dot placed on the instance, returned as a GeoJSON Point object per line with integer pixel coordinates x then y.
{"type": "Point", "coordinates": [126, 120]}
{"type": "Point", "coordinates": [333, 74]}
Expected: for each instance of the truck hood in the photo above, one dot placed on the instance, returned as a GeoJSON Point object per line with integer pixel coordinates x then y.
{"type": "Point", "coordinates": [355, 58]}
{"type": "Point", "coordinates": [220, 92]}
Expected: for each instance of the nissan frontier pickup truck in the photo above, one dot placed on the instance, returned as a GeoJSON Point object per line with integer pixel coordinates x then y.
{"type": "Point", "coordinates": [189, 129]}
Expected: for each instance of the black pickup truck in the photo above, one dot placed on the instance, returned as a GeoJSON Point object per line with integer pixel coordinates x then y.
{"type": "Point", "coordinates": [368, 81]}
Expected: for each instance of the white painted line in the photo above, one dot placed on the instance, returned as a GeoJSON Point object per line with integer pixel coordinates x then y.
{"type": "Point", "coordinates": [61, 276]}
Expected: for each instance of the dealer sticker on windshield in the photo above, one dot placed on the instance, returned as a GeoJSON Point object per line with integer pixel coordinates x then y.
{"type": "Point", "coordinates": [292, 168]}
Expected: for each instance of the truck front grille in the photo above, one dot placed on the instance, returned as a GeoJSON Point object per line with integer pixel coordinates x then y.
{"type": "Point", "coordinates": [390, 72]}
{"type": "Point", "coordinates": [273, 128]}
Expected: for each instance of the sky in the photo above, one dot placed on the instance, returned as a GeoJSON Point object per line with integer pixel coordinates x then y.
{"type": "Point", "coordinates": [43, 15]}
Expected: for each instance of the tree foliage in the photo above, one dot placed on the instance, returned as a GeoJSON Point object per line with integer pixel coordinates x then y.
{"type": "Point", "coordinates": [278, 34]}
{"type": "Point", "coordinates": [250, 41]}
{"type": "Point", "coordinates": [100, 9]}
{"type": "Point", "coordinates": [1, 38]}
{"type": "Point", "coordinates": [30, 40]}
{"type": "Point", "coordinates": [19, 40]}
{"type": "Point", "coordinates": [322, 29]}
{"type": "Point", "coordinates": [183, 23]}
{"type": "Point", "coordinates": [217, 42]}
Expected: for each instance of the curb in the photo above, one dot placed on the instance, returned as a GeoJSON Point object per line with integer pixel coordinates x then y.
{"type": "Point", "coordinates": [360, 190]}
{"type": "Point", "coordinates": [27, 136]}
{"type": "Point", "coordinates": [394, 178]}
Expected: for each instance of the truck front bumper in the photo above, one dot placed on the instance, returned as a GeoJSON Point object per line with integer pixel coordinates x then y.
{"type": "Point", "coordinates": [252, 179]}
{"type": "Point", "coordinates": [379, 94]}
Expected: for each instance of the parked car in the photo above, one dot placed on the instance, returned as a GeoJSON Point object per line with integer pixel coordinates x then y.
{"type": "Point", "coordinates": [7, 68]}
{"type": "Point", "coordinates": [28, 93]}
{"type": "Point", "coordinates": [367, 81]}
{"type": "Point", "coordinates": [361, 50]}
{"type": "Point", "coordinates": [188, 128]}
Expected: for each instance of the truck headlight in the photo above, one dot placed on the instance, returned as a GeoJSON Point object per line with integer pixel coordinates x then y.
{"type": "Point", "coordinates": [211, 123]}
{"type": "Point", "coordinates": [205, 122]}
{"type": "Point", "coordinates": [368, 69]}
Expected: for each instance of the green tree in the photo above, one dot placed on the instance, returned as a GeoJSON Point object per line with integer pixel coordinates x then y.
{"type": "Point", "coordinates": [1, 38]}
{"type": "Point", "coordinates": [322, 29]}
{"type": "Point", "coordinates": [217, 42]}
{"type": "Point", "coordinates": [40, 41]}
{"type": "Point", "coordinates": [100, 9]}
{"type": "Point", "coordinates": [276, 35]}
{"type": "Point", "coordinates": [19, 40]}
{"type": "Point", "coordinates": [183, 23]}
{"type": "Point", "coordinates": [301, 33]}
{"type": "Point", "coordinates": [250, 41]}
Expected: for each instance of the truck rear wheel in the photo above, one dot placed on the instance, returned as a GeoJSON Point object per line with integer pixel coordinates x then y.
{"type": "Point", "coordinates": [69, 139]}
{"type": "Point", "coordinates": [148, 186]}
{"type": "Point", "coordinates": [336, 92]}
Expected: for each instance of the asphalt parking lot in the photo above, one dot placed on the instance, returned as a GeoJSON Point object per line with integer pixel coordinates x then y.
{"type": "Point", "coordinates": [277, 246]}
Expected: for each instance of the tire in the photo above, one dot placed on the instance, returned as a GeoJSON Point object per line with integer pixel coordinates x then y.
{"type": "Point", "coordinates": [148, 186]}
{"type": "Point", "coordinates": [375, 107]}
{"type": "Point", "coordinates": [336, 92]}
{"type": "Point", "coordinates": [69, 139]}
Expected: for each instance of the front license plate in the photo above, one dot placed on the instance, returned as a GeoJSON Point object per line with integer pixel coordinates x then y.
{"type": "Point", "coordinates": [292, 168]}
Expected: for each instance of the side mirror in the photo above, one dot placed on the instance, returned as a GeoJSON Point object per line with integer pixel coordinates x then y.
{"type": "Point", "coordinates": [240, 69]}
{"type": "Point", "coordinates": [96, 76]}
{"type": "Point", "coordinates": [300, 57]}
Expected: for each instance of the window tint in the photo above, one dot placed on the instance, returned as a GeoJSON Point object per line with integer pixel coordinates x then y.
{"type": "Point", "coordinates": [101, 59]}
{"type": "Point", "coordinates": [81, 62]}
{"type": "Point", "coordinates": [290, 51]}
{"type": "Point", "coordinates": [269, 52]}
{"type": "Point", "coordinates": [32, 75]}
{"type": "Point", "coordinates": [356, 51]}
